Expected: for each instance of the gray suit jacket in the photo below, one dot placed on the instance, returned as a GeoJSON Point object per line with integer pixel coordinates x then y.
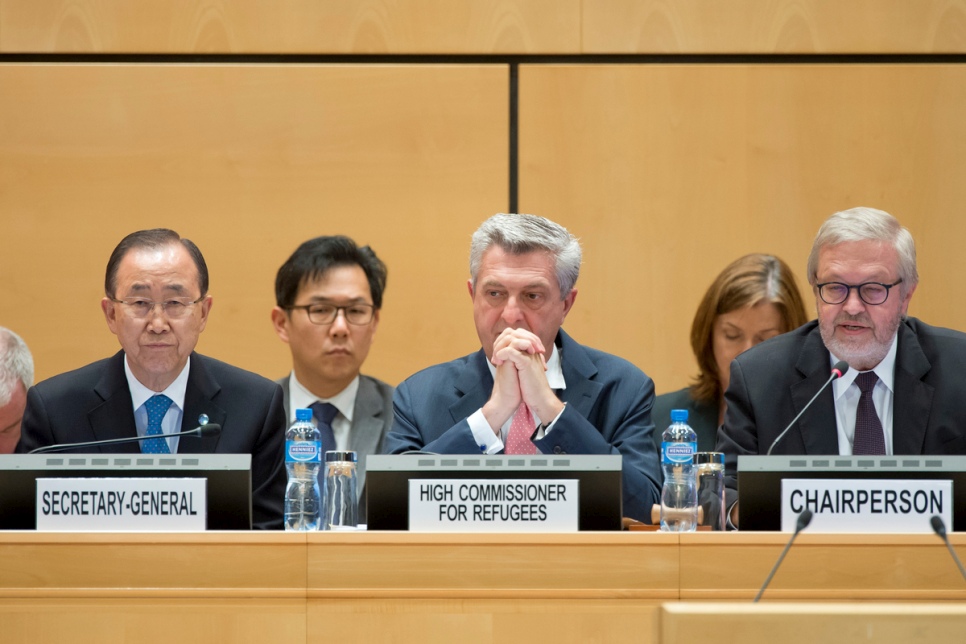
{"type": "Point", "coordinates": [371, 420]}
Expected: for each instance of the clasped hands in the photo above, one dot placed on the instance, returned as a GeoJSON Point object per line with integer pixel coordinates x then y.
{"type": "Point", "coordinates": [520, 360]}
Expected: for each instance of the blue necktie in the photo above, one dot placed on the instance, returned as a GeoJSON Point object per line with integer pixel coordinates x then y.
{"type": "Point", "coordinates": [324, 413]}
{"type": "Point", "coordinates": [157, 407]}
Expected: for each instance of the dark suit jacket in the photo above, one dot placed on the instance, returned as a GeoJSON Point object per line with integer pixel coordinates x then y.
{"type": "Point", "coordinates": [772, 382]}
{"type": "Point", "coordinates": [371, 420]}
{"type": "Point", "coordinates": [702, 417]}
{"type": "Point", "coordinates": [608, 412]}
{"type": "Point", "coordinates": [94, 403]}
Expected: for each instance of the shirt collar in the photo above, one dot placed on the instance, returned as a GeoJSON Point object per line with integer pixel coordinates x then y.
{"type": "Point", "coordinates": [555, 377]}
{"type": "Point", "coordinates": [886, 370]}
{"type": "Point", "coordinates": [175, 391]}
{"type": "Point", "coordinates": [344, 401]}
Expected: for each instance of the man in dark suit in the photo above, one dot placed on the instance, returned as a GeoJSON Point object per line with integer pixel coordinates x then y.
{"type": "Point", "coordinates": [901, 393]}
{"type": "Point", "coordinates": [531, 388]}
{"type": "Point", "coordinates": [328, 296]}
{"type": "Point", "coordinates": [157, 304]}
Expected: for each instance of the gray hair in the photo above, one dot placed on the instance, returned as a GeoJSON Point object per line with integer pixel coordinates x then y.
{"type": "Point", "coordinates": [16, 364]}
{"type": "Point", "coordinates": [521, 234]}
{"type": "Point", "coordinates": [867, 224]}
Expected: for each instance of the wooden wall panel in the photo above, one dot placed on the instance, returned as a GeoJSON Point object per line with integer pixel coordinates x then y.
{"type": "Point", "coordinates": [248, 161]}
{"type": "Point", "coordinates": [291, 26]}
{"type": "Point", "coordinates": [669, 172]}
{"type": "Point", "coordinates": [777, 26]}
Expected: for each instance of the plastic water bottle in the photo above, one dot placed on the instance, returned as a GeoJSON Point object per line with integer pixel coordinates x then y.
{"type": "Point", "coordinates": [303, 500]}
{"type": "Point", "coordinates": [679, 497]}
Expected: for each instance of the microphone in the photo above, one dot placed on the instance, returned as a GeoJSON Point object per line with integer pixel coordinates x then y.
{"type": "Point", "coordinates": [940, 529]}
{"type": "Point", "coordinates": [803, 520]}
{"type": "Point", "coordinates": [204, 430]}
{"type": "Point", "coordinates": [840, 367]}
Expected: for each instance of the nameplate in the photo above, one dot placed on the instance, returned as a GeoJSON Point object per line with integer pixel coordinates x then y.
{"type": "Point", "coordinates": [493, 505]}
{"type": "Point", "coordinates": [867, 505]}
{"type": "Point", "coordinates": [122, 504]}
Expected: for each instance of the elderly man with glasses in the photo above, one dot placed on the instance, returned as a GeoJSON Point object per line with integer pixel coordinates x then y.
{"type": "Point", "coordinates": [328, 295]}
{"type": "Point", "coordinates": [902, 391]}
{"type": "Point", "coordinates": [156, 302]}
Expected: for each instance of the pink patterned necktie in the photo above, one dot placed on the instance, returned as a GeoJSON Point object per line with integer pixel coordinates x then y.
{"type": "Point", "coordinates": [521, 429]}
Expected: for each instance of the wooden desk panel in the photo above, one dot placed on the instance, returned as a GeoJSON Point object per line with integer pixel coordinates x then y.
{"type": "Point", "coordinates": [820, 566]}
{"type": "Point", "coordinates": [586, 565]}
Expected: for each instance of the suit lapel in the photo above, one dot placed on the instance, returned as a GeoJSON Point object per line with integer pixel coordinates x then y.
{"type": "Point", "coordinates": [198, 400]}
{"type": "Point", "coordinates": [474, 385]}
{"type": "Point", "coordinates": [581, 391]}
{"type": "Point", "coordinates": [114, 418]}
{"type": "Point", "coordinates": [818, 427]}
{"type": "Point", "coordinates": [367, 424]}
{"type": "Point", "coordinates": [912, 399]}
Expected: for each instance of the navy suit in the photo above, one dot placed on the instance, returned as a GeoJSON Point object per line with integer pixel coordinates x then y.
{"type": "Point", "coordinates": [773, 381]}
{"type": "Point", "coordinates": [608, 411]}
{"type": "Point", "coordinates": [94, 403]}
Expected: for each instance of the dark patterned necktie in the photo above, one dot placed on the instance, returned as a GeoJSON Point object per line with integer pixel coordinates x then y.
{"type": "Point", "coordinates": [324, 413]}
{"type": "Point", "coordinates": [869, 438]}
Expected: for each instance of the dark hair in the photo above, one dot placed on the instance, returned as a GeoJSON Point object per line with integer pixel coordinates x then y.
{"type": "Point", "coordinates": [313, 258]}
{"type": "Point", "coordinates": [747, 281]}
{"type": "Point", "coordinates": [154, 238]}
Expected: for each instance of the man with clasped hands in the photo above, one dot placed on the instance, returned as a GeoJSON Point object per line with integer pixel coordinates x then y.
{"type": "Point", "coordinates": [531, 388]}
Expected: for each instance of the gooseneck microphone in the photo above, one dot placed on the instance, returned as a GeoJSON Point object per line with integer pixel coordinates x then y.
{"type": "Point", "coordinates": [204, 431]}
{"type": "Point", "coordinates": [940, 529]}
{"type": "Point", "coordinates": [840, 367]}
{"type": "Point", "coordinates": [803, 520]}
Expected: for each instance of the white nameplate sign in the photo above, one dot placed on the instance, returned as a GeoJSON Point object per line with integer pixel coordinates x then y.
{"type": "Point", "coordinates": [122, 504]}
{"type": "Point", "coordinates": [493, 505]}
{"type": "Point", "coordinates": [867, 505]}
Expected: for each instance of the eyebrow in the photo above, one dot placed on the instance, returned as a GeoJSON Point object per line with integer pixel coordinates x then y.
{"type": "Point", "coordinates": [490, 283]}
{"type": "Point", "coordinates": [140, 288]}
{"type": "Point", "coordinates": [321, 299]}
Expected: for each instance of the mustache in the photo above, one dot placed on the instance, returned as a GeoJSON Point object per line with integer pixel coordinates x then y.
{"type": "Point", "coordinates": [845, 318]}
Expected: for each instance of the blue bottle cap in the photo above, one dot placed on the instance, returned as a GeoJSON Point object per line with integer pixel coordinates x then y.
{"type": "Point", "coordinates": [306, 414]}
{"type": "Point", "coordinates": [679, 415]}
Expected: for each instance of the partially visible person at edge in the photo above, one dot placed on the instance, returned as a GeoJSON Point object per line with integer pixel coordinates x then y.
{"type": "Point", "coordinates": [16, 376]}
{"type": "Point", "coordinates": [531, 388]}
{"type": "Point", "coordinates": [156, 302]}
{"type": "Point", "coordinates": [753, 299]}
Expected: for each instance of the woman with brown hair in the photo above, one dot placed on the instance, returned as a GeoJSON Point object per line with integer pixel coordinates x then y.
{"type": "Point", "coordinates": [753, 299]}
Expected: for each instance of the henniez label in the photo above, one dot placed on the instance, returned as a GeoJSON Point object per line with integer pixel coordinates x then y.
{"type": "Point", "coordinates": [303, 452]}
{"type": "Point", "coordinates": [678, 453]}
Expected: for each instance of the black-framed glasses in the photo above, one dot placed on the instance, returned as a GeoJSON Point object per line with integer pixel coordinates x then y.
{"type": "Point", "coordinates": [173, 309]}
{"type": "Point", "coordinates": [321, 313]}
{"type": "Point", "coordinates": [872, 293]}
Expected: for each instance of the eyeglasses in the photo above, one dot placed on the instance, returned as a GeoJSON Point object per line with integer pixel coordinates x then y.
{"type": "Point", "coordinates": [357, 314]}
{"type": "Point", "coordinates": [872, 293]}
{"type": "Point", "coordinates": [173, 309]}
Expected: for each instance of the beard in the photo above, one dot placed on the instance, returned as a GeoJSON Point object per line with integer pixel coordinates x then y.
{"type": "Point", "coordinates": [861, 354]}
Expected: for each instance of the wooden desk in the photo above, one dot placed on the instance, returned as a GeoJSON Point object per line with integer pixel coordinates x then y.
{"type": "Point", "coordinates": [261, 587]}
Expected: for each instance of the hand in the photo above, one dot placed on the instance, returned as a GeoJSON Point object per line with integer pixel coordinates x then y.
{"type": "Point", "coordinates": [505, 397]}
{"type": "Point", "coordinates": [526, 353]}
